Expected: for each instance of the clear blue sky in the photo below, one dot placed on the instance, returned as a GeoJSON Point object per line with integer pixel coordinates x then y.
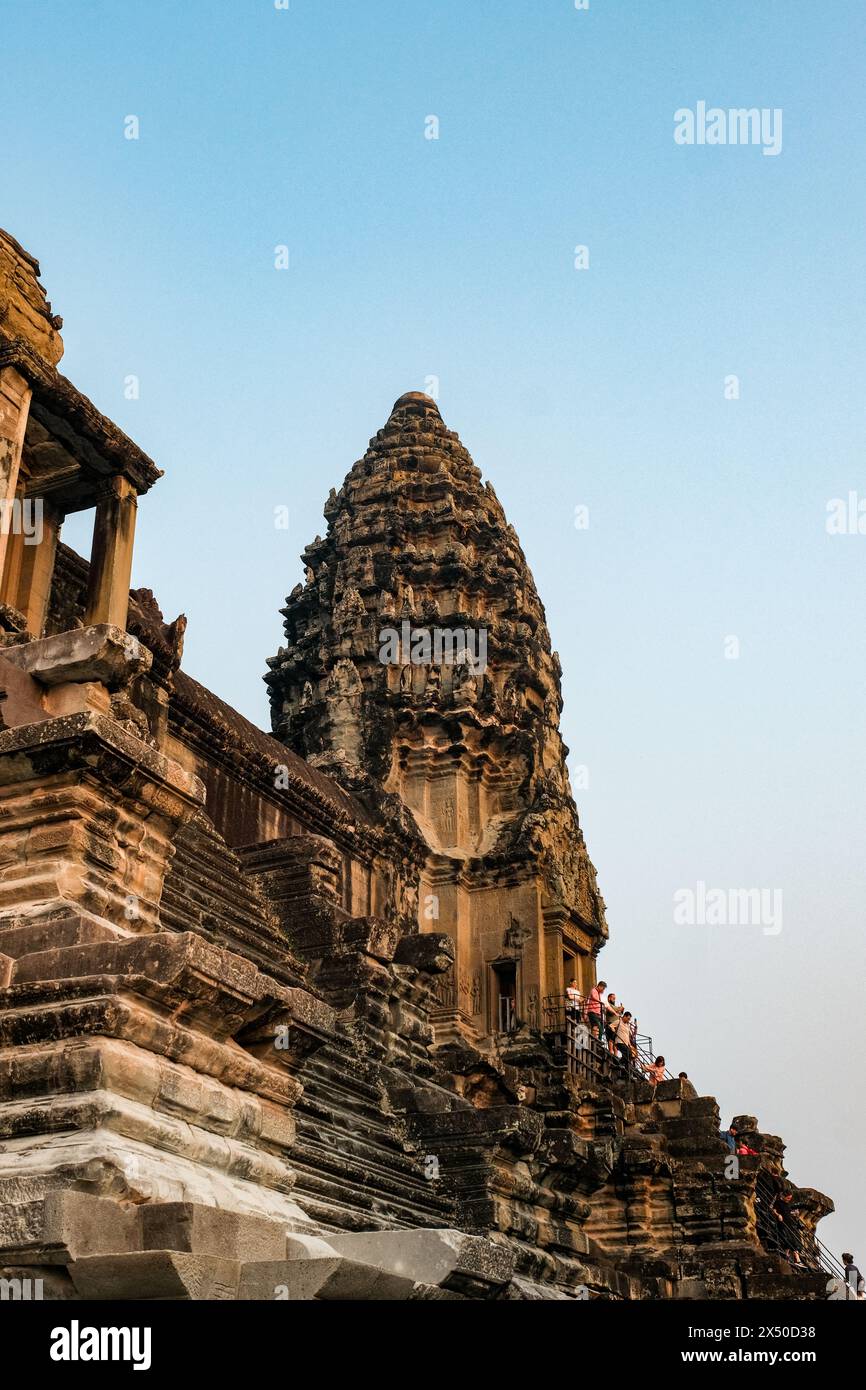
{"type": "Point", "coordinates": [453, 258]}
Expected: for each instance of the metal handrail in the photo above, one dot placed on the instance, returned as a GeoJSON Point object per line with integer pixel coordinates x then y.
{"type": "Point", "coordinates": [830, 1261]}
{"type": "Point", "coordinates": [558, 1011]}
{"type": "Point", "coordinates": [823, 1255]}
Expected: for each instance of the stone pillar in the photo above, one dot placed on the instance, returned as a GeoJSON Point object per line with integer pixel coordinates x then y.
{"type": "Point", "coordinates": [111, 555]}
{"type": "Point", "coordinates": [586, 969]}
{"type": "Point", "coordinates": [14, 539]}
{"type": "Point", "coordinates": [37, 570]}
{"type": "Point", "coordinates": [552, 948]}
{"type": "Point", "coordinates": [15, 396]}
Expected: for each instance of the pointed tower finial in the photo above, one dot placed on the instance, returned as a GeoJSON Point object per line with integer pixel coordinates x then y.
{"type": "Point", "coordinates": [418, 671]}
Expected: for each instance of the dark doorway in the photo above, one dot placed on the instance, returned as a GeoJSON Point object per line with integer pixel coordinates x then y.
{"type": "Point", "coordinates": [505, 996]}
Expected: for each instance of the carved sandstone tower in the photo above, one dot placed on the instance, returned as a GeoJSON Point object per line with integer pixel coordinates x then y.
{"type": "Point", "coordinates": [419, 554]}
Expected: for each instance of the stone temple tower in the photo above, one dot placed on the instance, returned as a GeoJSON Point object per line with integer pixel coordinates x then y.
{"type": "Point", "coordinates": [419, 559]}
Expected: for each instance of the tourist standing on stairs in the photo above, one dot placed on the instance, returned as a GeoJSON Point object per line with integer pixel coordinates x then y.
{"type": "Point", "coordinates": [593, 1009]}
{"type": "Point", "coordinates": [655, 1073]}
{"type": "Point", "coordinates": [623, 1039]}
{"type": "Point", "coordinates": [613, 1015]}
{"type": "Point", "coordinates": [573, 1010]}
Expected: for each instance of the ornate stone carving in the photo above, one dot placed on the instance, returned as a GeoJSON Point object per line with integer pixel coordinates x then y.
{"type": "Point", "coordinates": [532, 1015]}
{"type": "Point", "coordinates": [516, 935]}
{"type": "Point", "coordinates": [445, 989]}
{"type": "Point", "coordinates": [476, 992]}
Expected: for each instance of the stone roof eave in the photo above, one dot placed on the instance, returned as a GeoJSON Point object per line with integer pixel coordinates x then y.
{"type": "Point", "coordinates": [88, 435]}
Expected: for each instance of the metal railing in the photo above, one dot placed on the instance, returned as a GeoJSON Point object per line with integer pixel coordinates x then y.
{"type": "Point", "coordinates": [567, 1027]}
{"type": "Point", "coordinates": [783, 1236]}
{"type": "Point", "coordinates": [575, 1047]}
{"type": "Point", "coordinates": [586, 1057]}
{"type": "Point", "coordinates": [506, 1014]}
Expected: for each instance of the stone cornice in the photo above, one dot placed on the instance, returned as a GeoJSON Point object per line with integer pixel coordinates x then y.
{"type": "Point", "coordinates": [75, 421]}
{"type": "Point", "coordinates": [93, 744]}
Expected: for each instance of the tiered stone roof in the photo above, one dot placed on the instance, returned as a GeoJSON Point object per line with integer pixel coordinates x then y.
{"type": "Point", "coordinates": [415, 535]}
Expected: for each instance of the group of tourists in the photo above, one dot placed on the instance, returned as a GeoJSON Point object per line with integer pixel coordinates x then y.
{"type": "Point", "coordinates": [736, 1143]}
{"type": "Point", "coordinates": [606, 1023]}
{"type": "Point", "coordinates": [613, 1026]}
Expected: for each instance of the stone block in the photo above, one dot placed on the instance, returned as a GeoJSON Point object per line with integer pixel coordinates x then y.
{"type": "Point", "coordinates": [65, 1226]}
{"type": "Point", "coordinates": [159, 1274]}
{"type": "Point", "coordinates": [22, 696]}
{"type": "Point", "coordinates": [103, 653]}
{"type": "Point", "coordinates": [371, 935]}
{"type": "Point", "coordinates": [432, 952]}
{"type": "Point", "coordinates": [24, 308]}
{"type": "Point", "coordinates": [327, 1277]}
{"type": "Point", "coordinates": [429, 1256]}
{"type": "Point", "coordinates": [201, 1230]}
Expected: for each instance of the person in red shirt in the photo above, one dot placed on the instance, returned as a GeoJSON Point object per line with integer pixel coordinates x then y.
{"type": "Point", "coordinates": [594, 1014]}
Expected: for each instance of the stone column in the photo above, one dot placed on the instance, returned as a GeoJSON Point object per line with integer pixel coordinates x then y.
{"type": "Point", "coordinates": [14, 539]}
{"type": "Point", "coordinates": [111, 555]}
{"type": "Point", "coordinates": [551, 952]}
{"type": "Point", "coordinates": [37, 569]}
{"type": "Point", "coordinates": [15, 396]}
